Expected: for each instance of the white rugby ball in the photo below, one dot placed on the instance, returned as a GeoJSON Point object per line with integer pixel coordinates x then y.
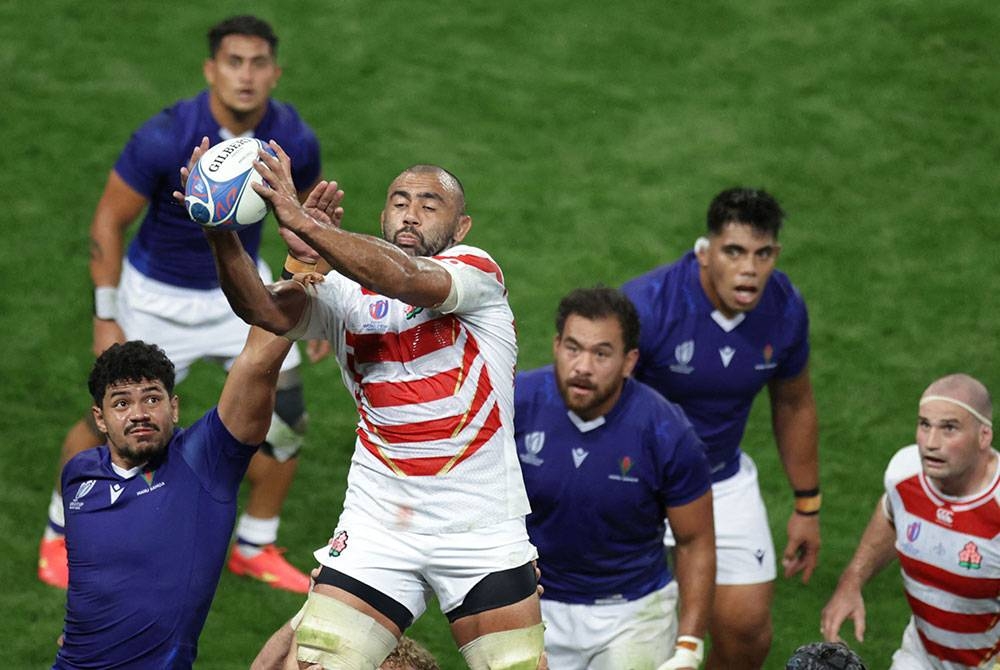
{"type": "Point", "coordinates": [218, 192]}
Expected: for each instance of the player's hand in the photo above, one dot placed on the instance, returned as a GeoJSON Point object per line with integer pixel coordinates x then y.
{"type": "Point", "coordinates": [317, 350]}
{"type": "Point", "coordinates": [278, 188]}
{"type": "Point", "coordinates": [106, 333]}
{"type": "Point", "coordinates": [186, 169]}
{"type": "Point", "coordinates": [802, 551]}
{"type": "Point", "coordinates": [323, 203]}
{"type": "Point", "coordinates": [845, 603]}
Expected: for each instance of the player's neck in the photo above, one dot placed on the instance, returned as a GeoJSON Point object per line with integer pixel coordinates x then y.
{"type": "Point", "coordinates": [235, 122]}
{"type": "Point", "coordinates": [977, 481]}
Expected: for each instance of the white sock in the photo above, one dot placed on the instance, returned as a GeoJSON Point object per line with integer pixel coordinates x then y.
{"type": "Point", "coordinates": [253, 533]}
{"type": "Point", "coordinates": [57, 518]}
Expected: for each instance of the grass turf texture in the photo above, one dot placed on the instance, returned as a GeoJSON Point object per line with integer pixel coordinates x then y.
{"type": "Point", "coordinates": [590, 138]}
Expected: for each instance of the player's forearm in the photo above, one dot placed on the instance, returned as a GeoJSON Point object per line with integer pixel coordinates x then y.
{"type": "Point", "coordinates": [377, 265]}
{"type": "Point", "coordinates": [107, 246]}
{"type": "Point", "coordinates": [875, 551]}
{"type": "Point", "coordinates": [796, 432]}
{"type": "Point", "coordinates": [250, 299]}
{"type": "Point", "coordinates": [694, 562]}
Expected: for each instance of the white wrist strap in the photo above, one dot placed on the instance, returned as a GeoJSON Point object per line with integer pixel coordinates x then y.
{"type": "Point", "coordinates": [106, 302]}
{"type": "Point", "coordinates": [684, 656]}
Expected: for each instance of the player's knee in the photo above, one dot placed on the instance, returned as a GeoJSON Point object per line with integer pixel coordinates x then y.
{"type": "Point", "coordinates": [288, 424]}
{"type": "Point", "coordinates": [335, 635]}
{"type": "Point", "coordinates": [518, 649]}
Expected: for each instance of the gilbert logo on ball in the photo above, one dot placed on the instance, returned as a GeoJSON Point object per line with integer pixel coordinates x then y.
{"type": "Point", "coordinates": [218, 192]}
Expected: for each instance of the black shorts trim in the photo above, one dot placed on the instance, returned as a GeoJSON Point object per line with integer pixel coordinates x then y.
{"type": "Point", "coordinates": [497, 589]}
{"type": "Point", "coordinates": [388, 606]}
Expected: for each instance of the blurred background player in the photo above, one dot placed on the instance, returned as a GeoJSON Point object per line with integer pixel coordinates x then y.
{"type": "Point", "coordinates": [940, 516]}
{"type": "Point", "coordinates": [165, 289]}
{"type": "Point", "coordinates": [150, 515]}
{"type": "Point", "coordinates": [435, 502]}
{"type": "Point", "coordinates": [719, 325]}
{"type": "Point", "coordinates": [605, 458]}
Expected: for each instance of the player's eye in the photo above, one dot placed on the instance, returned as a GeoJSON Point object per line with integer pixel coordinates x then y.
{"type": "Point", "coordinates": [765, 254]}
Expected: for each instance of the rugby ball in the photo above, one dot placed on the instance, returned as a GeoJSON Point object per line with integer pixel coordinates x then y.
{"type": "Point", "coordinates": [218, 191]}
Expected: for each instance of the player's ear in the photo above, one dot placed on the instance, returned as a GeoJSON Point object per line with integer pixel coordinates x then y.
{"type": "Point", "coordinates": [208, 69]}
{"type": "Point", "coordinates": [175, 407]}
{"type": "Point", "coordinates": [631, 358]}
{"type": "Point", "coordinates": [701, 247]}
{"type": "Point", "coordinates": [462, 229]}
{"type": "Point", "coordinates": [99, 419]}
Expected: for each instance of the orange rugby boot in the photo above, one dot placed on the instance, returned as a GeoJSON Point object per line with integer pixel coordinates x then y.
{"type": "Point", "coordinates": [53, 568]}
{"type": "Point", "coordinates": [270, 567]}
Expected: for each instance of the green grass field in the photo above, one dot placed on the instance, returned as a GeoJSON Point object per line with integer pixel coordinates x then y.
{"type": "Point", "coordinates": [590, 137]}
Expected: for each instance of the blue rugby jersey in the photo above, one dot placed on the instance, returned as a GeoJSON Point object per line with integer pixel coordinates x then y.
{"type": "Point", "coordinates": [145, 553]}
{"type": "Point", "coordinates": [687, 354]}
{"type": "Point", "coordinates": [599, 490]}
{"type": "Point", "coordinates": [168, 246]}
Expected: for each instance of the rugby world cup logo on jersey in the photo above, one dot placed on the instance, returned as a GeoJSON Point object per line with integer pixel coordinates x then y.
{"type": "Point", "coordinates": [378, 309]}
{"type": "Point", "coordinates": [683, 353]}
{"type": "Point", "coordinates": [84, 489]}
{"type": "Point", "coordinates": [533, 443]}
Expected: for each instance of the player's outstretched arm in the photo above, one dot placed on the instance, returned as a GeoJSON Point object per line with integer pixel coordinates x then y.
{"type": "Point", "coordinates": [371, 261]}
{"type": "Point", "coordinates": [875, 551]}
{"type": "Point", "coordinates": [796, 432]}
{"type": "Point", "coordinates": [694, 558]}
{"type": "Point", "coordinates": [247, 399]}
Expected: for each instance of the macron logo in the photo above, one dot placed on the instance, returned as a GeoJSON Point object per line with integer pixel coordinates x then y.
{"type": "Point", "coordinates": [116, 491]}
{"type": "Point", "coordinates": [726, 353]}
{"type": "Point", "coordinates": [578, 455]}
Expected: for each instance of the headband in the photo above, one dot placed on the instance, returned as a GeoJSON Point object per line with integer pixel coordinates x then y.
{"type": "Point", "coordinates": [968, 408]}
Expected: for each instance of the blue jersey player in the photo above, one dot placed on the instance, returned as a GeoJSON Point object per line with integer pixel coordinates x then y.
{"type": "Point", "coordinates": [165, 289]}
{"type": "Point", "coordinates": [605, 458]}
{"type": "Point", "coordinates": [149, 515]}
{"type": "Point", "coordinates": [719, 325]}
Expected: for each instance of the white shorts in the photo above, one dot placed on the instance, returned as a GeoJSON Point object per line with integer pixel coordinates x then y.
{"type": "Point", "coordinates": [744, 550]}
{"type": "Point", "coordinates": [188, 324]}
{"type": "Point", "coordinates": [636, 634]}
{"type": "Point", "coordinates": [411, 567]}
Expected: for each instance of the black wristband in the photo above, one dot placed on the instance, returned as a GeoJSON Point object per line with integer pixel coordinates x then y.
{"type": "Point", "coordinates": [807, 493]}
{"type": "Point", "coordinates": [813, 513]}
{"type": "Point", "coordinates": [285, 274]}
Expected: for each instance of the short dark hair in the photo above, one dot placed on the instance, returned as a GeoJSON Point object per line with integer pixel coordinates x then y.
{"type": "Point", "coordinates": [597, 303]}
{"type": "Point", "coordinates": [245, 24]}
{"type": "Point", "coordinates": [132, 361]}
{"type": "Point", "coordinates": [825, 656]}
{"type": "Point", "coordinates": [753, 206]}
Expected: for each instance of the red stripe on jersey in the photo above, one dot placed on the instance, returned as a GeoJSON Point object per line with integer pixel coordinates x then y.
{"type": "Point", "coordinates": [435, 429]}
{"type": "Point", "coordinates": [982, 521]}
{"type": "Point", "coordinates": [406, 346]}
{"type": "Point", "coordinates": [478, 262]}
{"type": "Point", "coordinates": [955, 622]}
{"type": "Point", "coordinates": [969, 657]}
{"type": "Point", "coordinates": [959, 585]}
{"type": "Point", "coordinates": [435, 465]}
{"type": "Point", "coordinates": [435, 387]}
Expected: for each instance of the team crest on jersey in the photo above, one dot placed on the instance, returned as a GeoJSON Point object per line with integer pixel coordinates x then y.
{"type": "Point", "coordinates": [625, 464]}
{"type": "Point", "coordinates": [683, 353]}
{"type": "Point", "coordinates": [970, 558]}
{"type": "Point", "coordinates": [378, 309]}
{"type": "Point", "coordinates": [338, 544]}
{"type": "Point", "coordinates": [913, 531]}
{"type": "Point", "coordinates": [84, 489]}
{"type": "Point", "coordinates": [533, 443]}
{"type": "Point", "coordinates": [768, 355]}
{"type": "Point", "coordinates": [412, 311]}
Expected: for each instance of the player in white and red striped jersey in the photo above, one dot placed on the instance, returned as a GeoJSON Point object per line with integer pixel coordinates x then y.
{"type": "Point", "coordinates": [435, 503]}
{"type": "Point", "coordinates": [941, 516]}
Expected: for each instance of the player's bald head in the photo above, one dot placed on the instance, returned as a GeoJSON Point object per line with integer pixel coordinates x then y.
{"type": "Point", "coordinates": [962, 389]}
{"type": "Point", "coordinates": [449, 182]}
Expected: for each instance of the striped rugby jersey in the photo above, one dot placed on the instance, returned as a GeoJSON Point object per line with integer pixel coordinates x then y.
{"type": "Point", "coordinates": [434, 391]}
{"type": "Point", "coordinates": [950, 558]}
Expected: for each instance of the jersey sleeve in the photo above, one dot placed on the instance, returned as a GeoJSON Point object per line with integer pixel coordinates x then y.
{"type": "Point", "coordinates": [686, 474]}
{"type": "Point", "coordinates": [903, 465]}
{"type": "Point", "coordinates": [218, 459]}
{"type": "Point", "coordinates": [798, 350]}
{"type": "Point", "coordinates": [149, 155]}
{"type": "Point", "coordinates": [476, 280]}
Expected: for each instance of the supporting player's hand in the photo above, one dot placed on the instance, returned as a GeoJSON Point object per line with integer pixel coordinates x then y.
{"type": "Point", "coordinates": [106, 333]}
{"type": "Point", "coordinates": [845, 603]}
{"type": "Point", "coordinates": [186, 169]}
{"type": "Point", "coordinates": [317, 350]}
{"type": "Point", "coordinates": [323, 203]}
{"type": "Point", "coordinates": [802, 551]}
